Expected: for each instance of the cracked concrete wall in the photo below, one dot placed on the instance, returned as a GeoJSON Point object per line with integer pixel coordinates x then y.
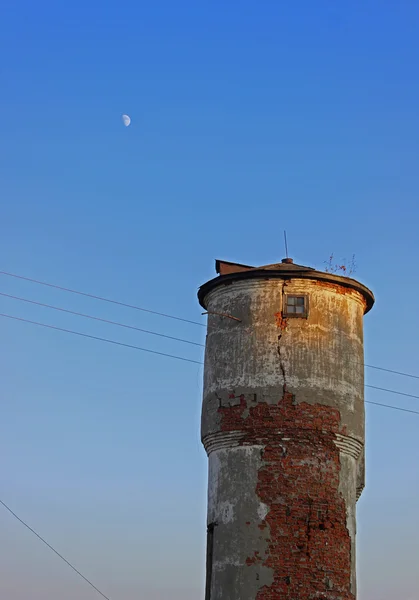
{"type": "Point", "coordinates": [250, 368]}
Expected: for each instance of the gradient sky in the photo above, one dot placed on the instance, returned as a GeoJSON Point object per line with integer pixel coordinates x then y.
{"type": "Point", "coordinates": [247, 118]}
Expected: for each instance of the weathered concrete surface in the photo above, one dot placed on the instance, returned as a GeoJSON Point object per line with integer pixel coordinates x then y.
{"type": "Point", "coordinates": [236, 509]}
{"type": "Point", "coordinates": [283, 424]}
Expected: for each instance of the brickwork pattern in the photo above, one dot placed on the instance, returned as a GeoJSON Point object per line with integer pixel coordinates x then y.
{"type": "Point", "coordinates": [309, 545]}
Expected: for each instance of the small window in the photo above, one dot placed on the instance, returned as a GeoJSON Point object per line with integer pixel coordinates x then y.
{"type": "Point", "coordinates": [295, 306]}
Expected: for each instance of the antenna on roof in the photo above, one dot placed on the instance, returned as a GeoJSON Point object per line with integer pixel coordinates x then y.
{"type": "Point", "coordinates": [286, 245]}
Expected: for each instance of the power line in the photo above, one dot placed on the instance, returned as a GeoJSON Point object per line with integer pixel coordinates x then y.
{"type": "Point", "coordinates": [415, 412]}
{"type": "Point", "coordinates": [357, 362]}
{"type": "Point", "coordinates": [78, 314]}
{"type": "Point", "coordinates": [392, 391]}
{"type": "Point", "coordinates": [391, 371]}
{"type": "Point", "coordinates": [58, 287]}
{"type": "Point", "coordinates": [197, 362]}
{"type": "Point", "coordinates": [100, 339]}
{"type": "Point", "coordinates": [170, 337]}
{"type": "Point", "coordinates": [64, 289]}
{"type": "Point", "coordinates": [52, 285]}
{"type": "Point", "coordinates": [53, 549]}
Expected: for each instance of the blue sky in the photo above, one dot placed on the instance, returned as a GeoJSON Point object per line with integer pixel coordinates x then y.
{"type": "Point", "coordinates": [248, 118]}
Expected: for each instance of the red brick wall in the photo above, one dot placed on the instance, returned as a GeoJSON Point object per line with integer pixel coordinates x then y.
{"type": "Point", "coordinates": [309, 546]}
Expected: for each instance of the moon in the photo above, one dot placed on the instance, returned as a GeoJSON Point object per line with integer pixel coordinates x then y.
{"type": "Point", "coordinates": [126, 120]}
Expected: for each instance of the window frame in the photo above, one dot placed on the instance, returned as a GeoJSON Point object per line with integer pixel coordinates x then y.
{"type": "Point", "coordinates": [289, 315]}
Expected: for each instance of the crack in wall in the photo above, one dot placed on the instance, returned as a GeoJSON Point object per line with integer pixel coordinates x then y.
{"type": "Point", "coordinates": [281, 322]}
{"type": "Point", "coordinates": [281, 365]}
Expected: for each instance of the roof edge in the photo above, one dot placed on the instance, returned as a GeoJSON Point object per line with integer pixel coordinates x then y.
{"type": "Point", "coordinates": [255, 273]}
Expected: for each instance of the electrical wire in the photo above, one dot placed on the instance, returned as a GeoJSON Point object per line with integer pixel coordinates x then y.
{"type": "Point", "coordinates": [64, 289]}
{"type": "Point", "coordinates": [391, 371]}
{"type": "Point", "coordinates": [392, 391]}
{"type": "Point", "coordinates": [53, 549]}
{"type": "Point", "coordinates": [415, 412]}
{"type": "Point", "coordinates": [78, 314]}
{"type": "Point", "coordinates": [197, 362]}
{"type": "Point", "coordinates": [52, 285]}
{"type": "Point", "coordinates": [100, 339]}
{"type": "Point", "coordinates": [147, 331]}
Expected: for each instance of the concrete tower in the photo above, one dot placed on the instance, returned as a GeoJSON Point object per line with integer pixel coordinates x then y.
{"type": "Point", "coordinates": [283, 427]}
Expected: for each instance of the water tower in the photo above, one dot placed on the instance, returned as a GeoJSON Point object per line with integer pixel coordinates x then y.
{"type": "Point", "coordinates": [283, 427]}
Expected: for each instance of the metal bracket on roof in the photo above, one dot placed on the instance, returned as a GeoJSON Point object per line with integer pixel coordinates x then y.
{"type": "Point", "coordinates": [222, 315]}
